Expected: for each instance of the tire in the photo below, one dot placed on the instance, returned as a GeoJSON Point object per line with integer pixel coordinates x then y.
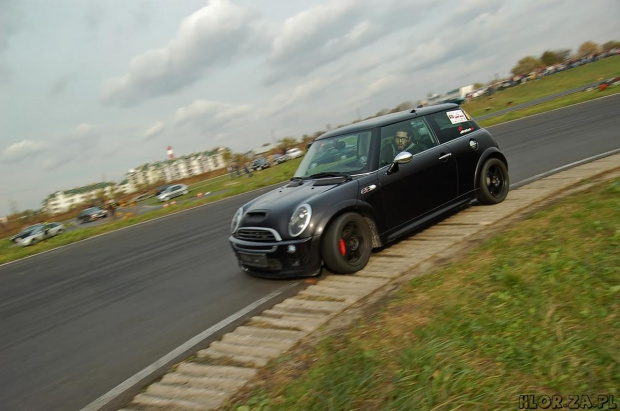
{"type": "Point", "coordinates": [493, 182]}
{"type": "Point", "coordinates": [347, 244]}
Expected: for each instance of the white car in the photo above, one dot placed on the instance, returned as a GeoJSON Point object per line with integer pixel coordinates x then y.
{"type": "Point", "coordinates": [38, 232]}
{"type": "Point", "coordinates": [294, 153]}
{"type": "Point", "coordinates": [172, 191]}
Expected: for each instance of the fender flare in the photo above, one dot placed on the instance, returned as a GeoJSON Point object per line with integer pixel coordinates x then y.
{"type": "Point", "coordinates": [355, 206]}
{"type": "Point", "coordinates": [492, 152]}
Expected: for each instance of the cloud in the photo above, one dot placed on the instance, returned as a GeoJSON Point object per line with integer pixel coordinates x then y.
{"type": "Point", "coordinates": [9, 25]}
{"type": "Point", "coordinates": [210, 115]}
{"type": "Point", "coordinates": [24, 150]}
{"type": "Point", "coordinates": [74, 146]}
{"type": "Point", "coordinates": [61, 83]}
{"type": "Point", "coordinates": [211, 36]}
{"type": "Point", "coordinates": [154, 131]}
{"type": "Point", "coordinates": [329, 34]}
{"type": "Point", "coordinates": [298, 94]}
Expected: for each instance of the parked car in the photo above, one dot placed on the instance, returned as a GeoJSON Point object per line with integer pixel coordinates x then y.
{"type": "Point", "coordinates": [280, 159]}
{"type": "Point", "coordinates": [91, 214]}
{"type": "Point", "coordinates": [334, 213]}
{"type": "Point", "coordinates": [160, 189]}
{"type": "Point", "coordinates": [294, 153]}
{"type": "Point", "coordinates": [173, 191]}
{"type": "Point", "coordinates": [25, 232]}
{"type": "Point", "coordinates": [259, 163]}
{"type": "Point", "coordinates": [38, 232]}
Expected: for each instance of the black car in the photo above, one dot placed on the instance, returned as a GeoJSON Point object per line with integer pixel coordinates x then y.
{"type": "Point", "coordinates": [392, 174]}
{"type": "Point", "coordinates": [91, 214]}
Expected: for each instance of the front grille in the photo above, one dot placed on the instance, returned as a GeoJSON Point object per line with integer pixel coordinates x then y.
{"type": "Point", "coordinates": [255, 234]}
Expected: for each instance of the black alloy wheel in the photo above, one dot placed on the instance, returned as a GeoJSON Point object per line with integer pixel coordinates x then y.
{"type": "Point", "coordinates": [494, 182]}
{"type": "Point", "coordinates": [347, 244]}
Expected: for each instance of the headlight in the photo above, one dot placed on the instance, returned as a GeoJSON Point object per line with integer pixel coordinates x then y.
{"type": "Point", "coordinates": [300, 220]}
{"type": "Point", "coordinates": [236, 220]}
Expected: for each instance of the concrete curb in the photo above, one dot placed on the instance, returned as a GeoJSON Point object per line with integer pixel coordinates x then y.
{"type": "Point", "coordinates": [221, 370]}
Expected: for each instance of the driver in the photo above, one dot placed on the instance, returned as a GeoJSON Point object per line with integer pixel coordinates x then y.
{"type": "Point", "coordinates": [402, 142]}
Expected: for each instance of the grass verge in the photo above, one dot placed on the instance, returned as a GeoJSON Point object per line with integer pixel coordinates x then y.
{"type": "Point", "coordinates": [545, 86]}
{"type": "Point", "coordinates": [560, 102]}
{"type": "Point", "coordinates": [531, 311]}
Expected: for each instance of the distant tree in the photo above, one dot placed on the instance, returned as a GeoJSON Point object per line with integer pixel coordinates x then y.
{"type": "Point", "coordinates": [226, 155]}
{"type": "Point", "coordinates": [563, 54]}
{"type": "Point", "coordinates": [526, 65]}
{"type": "Point", "coordinates": [382, 112]}
{"type": "Point", "coordinates": [587, 48]}
{"type": "Point", "coordinates": [286, 143]}
{"type": "Point", "coordinates": [478, 85]}
{"type": "Point", "coordinates": [613, 44]}
{"type": "Point", "coordinates": [306, 139]}
{"type": "Point", "coordinates": [549, 58]}
{"type": "Point", "coordinates": [406, 105]}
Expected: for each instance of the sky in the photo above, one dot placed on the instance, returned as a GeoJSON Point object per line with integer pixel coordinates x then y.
{"type": "Point", "coordinates": [91, 89]}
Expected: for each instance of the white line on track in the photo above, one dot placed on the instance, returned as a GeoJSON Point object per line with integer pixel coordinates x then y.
{"type": "Point", "coordinates": [172, 355]}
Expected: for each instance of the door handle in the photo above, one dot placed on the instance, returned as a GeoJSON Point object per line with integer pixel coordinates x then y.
{"type": "Point", "coordinates": [445, 157]}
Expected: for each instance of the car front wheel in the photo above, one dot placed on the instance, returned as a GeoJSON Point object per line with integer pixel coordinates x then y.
{"type": "Point", "coordinates": [493, 183]}
{"type": "Point", "coordinates": [347, 244]}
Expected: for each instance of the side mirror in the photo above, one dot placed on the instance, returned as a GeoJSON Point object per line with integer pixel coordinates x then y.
{"type": "Point", "coordinates": [401, 158]}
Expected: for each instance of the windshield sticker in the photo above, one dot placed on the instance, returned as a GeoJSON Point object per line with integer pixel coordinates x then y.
{"type": "Point", "coordinates": [456, 116]}
{"type": "Point", "coordinates": [466, 130]}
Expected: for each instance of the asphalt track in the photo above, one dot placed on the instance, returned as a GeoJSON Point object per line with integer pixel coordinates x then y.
{"type": "Point", "coordinates": [78, 321]}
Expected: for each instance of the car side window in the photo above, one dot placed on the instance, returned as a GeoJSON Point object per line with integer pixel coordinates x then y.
{"type": "Point", "coordinates": [452, 124]}
{"type": "Point", "coordinates": [413, 135]}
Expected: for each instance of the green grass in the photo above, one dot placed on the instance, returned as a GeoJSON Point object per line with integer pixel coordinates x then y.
{"type": "Point", "coordinates": [545, 86]}
{"type": "Point", "coordinates": [550, 105]}
{"type": "Point", "coordinates": [532, 311]}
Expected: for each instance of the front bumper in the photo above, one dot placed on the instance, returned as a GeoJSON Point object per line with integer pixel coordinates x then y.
{"type": "Point", "coordinates": [279, 259]}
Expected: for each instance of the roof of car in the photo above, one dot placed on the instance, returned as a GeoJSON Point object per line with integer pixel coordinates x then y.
{"type": "Point", "coordinates": [388, 119]}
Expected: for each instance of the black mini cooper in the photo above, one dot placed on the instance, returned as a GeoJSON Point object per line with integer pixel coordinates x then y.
{"type": "Point", "coordinates": [366, 184]}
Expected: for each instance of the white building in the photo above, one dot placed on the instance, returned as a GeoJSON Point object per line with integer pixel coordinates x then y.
{"type": "Point", "coordinates": [62, 201]}
{"type": "Point", "coordinates": [453, 96]}
{"type": "Point", "coordinates": [173, 169]}
{"type": "Point", "coordinates": [137, 178]}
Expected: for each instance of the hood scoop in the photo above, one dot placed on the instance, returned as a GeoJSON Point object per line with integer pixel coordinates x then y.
{"type": "Point", "coordinates": [330, 181]}
{"type": "Point", "coordinates": [253, 217]}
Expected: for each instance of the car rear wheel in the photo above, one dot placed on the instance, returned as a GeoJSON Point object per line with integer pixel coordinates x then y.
{"type": "Point", "coordinates": [494, 182]}
{"type": "Point", "coordinates": [347, 244]}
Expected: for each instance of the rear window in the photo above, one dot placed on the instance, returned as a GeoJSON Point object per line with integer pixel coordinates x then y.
{"type": "Point", "coordinates": [452, 124]}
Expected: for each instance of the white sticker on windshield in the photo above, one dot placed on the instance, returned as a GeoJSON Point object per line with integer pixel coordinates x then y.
{"type": "Point", "coordinates": [456, 116]}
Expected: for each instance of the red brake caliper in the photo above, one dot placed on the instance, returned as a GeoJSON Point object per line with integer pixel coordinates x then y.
{"type": "Point", "coordinates": [343, 249]}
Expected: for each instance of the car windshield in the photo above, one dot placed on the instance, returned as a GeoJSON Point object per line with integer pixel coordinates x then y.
{"type": "Point", "coordinates": [89, 211]}
{"type": "Point", "coordinates": [31, 229]}
{"type": "Point", "coordinates": [345, 154]}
